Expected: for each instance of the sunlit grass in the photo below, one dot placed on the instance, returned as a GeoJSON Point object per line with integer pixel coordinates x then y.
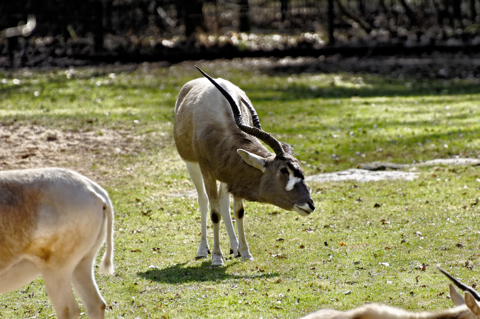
{"type": "Point", "coordinates": [367, 242]}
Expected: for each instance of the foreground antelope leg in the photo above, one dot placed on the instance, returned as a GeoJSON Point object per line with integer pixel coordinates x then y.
{"type": "Point", "coordinates": [239, 214]}
{"type": "Point", "coordinates": [197, 178]}
{"type": "Point", "coordinates": [60, 292]}
{"type": "Point", "coordinates": [227, 219]}
{"type": "Point", "coordinates": [86, 288]}
{"type": "Point", "coordinates": [215, 216]}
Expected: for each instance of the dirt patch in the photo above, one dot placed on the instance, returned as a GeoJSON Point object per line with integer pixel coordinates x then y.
{"type": "Point", "coordinates": [361, 175]}
{"type": "Point", "coordinates": [34, 146]}
{"type": "Point", "coordinates": [457, 161]}
{"type": "Point", "coordinates": [380, 171]}
{"type": "Point", "coordinates": [372, 172]}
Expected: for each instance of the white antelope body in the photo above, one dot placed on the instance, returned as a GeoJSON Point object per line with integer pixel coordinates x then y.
{"type": "Point", "coordinates": [214, 136]}
{"type": "Point", "coordinates": [467, 307]}
{"type": "Point", "coordinates": [52, 223]}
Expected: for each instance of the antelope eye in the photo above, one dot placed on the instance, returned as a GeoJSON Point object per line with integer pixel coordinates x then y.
{"type": "Point", "coordinates": [284, 170]}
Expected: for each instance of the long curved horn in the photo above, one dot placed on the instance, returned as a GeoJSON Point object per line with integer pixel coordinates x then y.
{"type": "Point", "coordinates": [255, 119]}
{"type": "Point", "coordinates": [460, 284]}
{"type": "Point", "coordinates": [260, 134]}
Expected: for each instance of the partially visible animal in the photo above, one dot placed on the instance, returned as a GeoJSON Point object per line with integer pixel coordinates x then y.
{"type": "Point", "coordinates": [20, 30]}
{"type": "Point", "coordinates": [467, 307]}
{"type": "Point", "coordinates": [217, 133]}
{"type": "Point", "coordinates": [52, 223]}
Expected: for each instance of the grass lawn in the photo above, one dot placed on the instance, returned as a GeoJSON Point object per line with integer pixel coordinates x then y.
{"type": "Point", "coordinates": [366, 242]}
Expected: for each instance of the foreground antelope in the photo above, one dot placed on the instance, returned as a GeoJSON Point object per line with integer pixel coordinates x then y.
{"type": "Point", "coordinates": [52, 223]}
{"type": "Point", "coordinates": [467, 308]}
{"type": "Point", "coordinates": [214, 136]}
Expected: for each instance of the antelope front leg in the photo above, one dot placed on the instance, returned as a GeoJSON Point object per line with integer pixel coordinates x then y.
{"type": "Point", "coordinates": [215, 216]}
{"type": "Point", "coordinates": [239, 213]}
{"type": "Point", "coordinates": [227, 220]}
{"type": "Point", "coordinates": [217, 257]}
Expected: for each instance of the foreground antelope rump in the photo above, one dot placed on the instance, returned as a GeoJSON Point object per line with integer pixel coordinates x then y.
{"type": "Point", "coordinates": [52, 223]}
{"type": "Point", "coordinates": [214, 136]}
{"type": "Point", "coordinates": [467, 308]}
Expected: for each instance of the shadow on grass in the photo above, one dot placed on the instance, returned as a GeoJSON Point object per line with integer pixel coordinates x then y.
{"type": "Point", "coordinates": [178, 273]}
{"type": "Point", "coordinates": [390, 88]}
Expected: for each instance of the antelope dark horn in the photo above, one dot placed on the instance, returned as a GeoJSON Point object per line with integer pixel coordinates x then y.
{"type": "Point", "coordinates": [260, 134]}
{"type": "Point", "coordinates": [255, 119]}
{"type": "Point", "coordinates": [460, 284]}
{"type": "Point", "coordinates": [236, 111]}
{"type": "Point", "coordinates": [264, 136]}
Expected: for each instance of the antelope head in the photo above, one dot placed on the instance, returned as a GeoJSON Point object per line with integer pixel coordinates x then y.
{"type": "Point", "coordinates": [283, 181]}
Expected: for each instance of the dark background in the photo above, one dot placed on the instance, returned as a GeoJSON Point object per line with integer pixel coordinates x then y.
{"type": "Point", "coordinates": [79, 32]}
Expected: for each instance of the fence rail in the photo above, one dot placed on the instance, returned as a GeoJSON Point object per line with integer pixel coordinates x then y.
{"type": "Point", "coordinates": [95, 27]}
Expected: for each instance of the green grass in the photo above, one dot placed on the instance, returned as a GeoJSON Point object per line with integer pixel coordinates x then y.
{"type": "Point", "coordinates": [335, 258]}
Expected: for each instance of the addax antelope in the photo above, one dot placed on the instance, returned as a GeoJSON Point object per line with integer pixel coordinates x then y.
{"type": "Point", "coordinates": [52, 223]}
{"type": "Point", "coordinates": [467, 307]}
{"type": "Point", "coordinates": [217, 133]}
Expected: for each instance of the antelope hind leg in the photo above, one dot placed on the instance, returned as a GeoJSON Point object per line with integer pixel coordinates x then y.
{"type": "Point", "coordinates": [197, 179]}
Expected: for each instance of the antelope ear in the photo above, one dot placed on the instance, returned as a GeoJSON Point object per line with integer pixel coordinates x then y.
{"type": "Point", "coordinates": [457, 298]}
{"type": "Point", "coordinates": [472, 304]}
{"type": "Point", "coordinates": [287, 148]}
{"type": "Point", "coordinates": [252, 159]}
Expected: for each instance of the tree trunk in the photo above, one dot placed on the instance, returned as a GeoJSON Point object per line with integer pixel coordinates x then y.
{"type": "Point", "coordinates": [409, 12]}
{"type": "Point", "coordinates": [361, 7]}
{"type": "Point", "coordinates": [331, 19]}
{"type": "Point", "coordinates": [97, 17]}
{"type": "Point", "coordinates": [457, 12]}
{"type": "Point", "coordinates": [447, 11]}
{"type": "Point", "coordinates": [473, 11]}
{"type": "Point", "coordinates": [284, 9]}
{"type": "Point", "coordinates": [107, 16]}
{"type": "Point", "coordinates": [358, 19]}
{"type": "Point", "coordinates": [244, 16]}
{"type": "Point", "coordinates": [381, 4]}
{"type": "Point", "coordinates": [192, 16]}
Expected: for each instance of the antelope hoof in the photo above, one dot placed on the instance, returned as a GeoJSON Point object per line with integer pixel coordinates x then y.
{"type": "Point", "coordinates": [202, 252]}
{"type": "Point", "coordinates": [247, 257]}
{"type": "Point", "coordinates": [217, 261]}
{"type": "Point", "coordinates": [200, 257]}
{"type": "Point", "coordinates": [238, 255]}
{"type": "Point", "coordinates": [235, 252]}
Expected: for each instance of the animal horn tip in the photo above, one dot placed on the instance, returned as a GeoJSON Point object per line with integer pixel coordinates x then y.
{"type": "Point", "coordinates": [200, 70]}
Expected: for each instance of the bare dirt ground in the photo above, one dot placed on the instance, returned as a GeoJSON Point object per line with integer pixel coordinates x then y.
{"type": "Point", "coordinates": [35, 146]}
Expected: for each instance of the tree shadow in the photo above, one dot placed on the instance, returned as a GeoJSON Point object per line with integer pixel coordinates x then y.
{"type": "Point", "coordinates": [178, 273]}
{"type": "Point", "coordinates": [388, 76]}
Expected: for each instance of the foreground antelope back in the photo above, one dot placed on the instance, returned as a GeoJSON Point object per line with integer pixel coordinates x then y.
{"type": "Point", "coordinates": [467, 307]}
{"type": "Point", "coordinates": [52, 223]}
